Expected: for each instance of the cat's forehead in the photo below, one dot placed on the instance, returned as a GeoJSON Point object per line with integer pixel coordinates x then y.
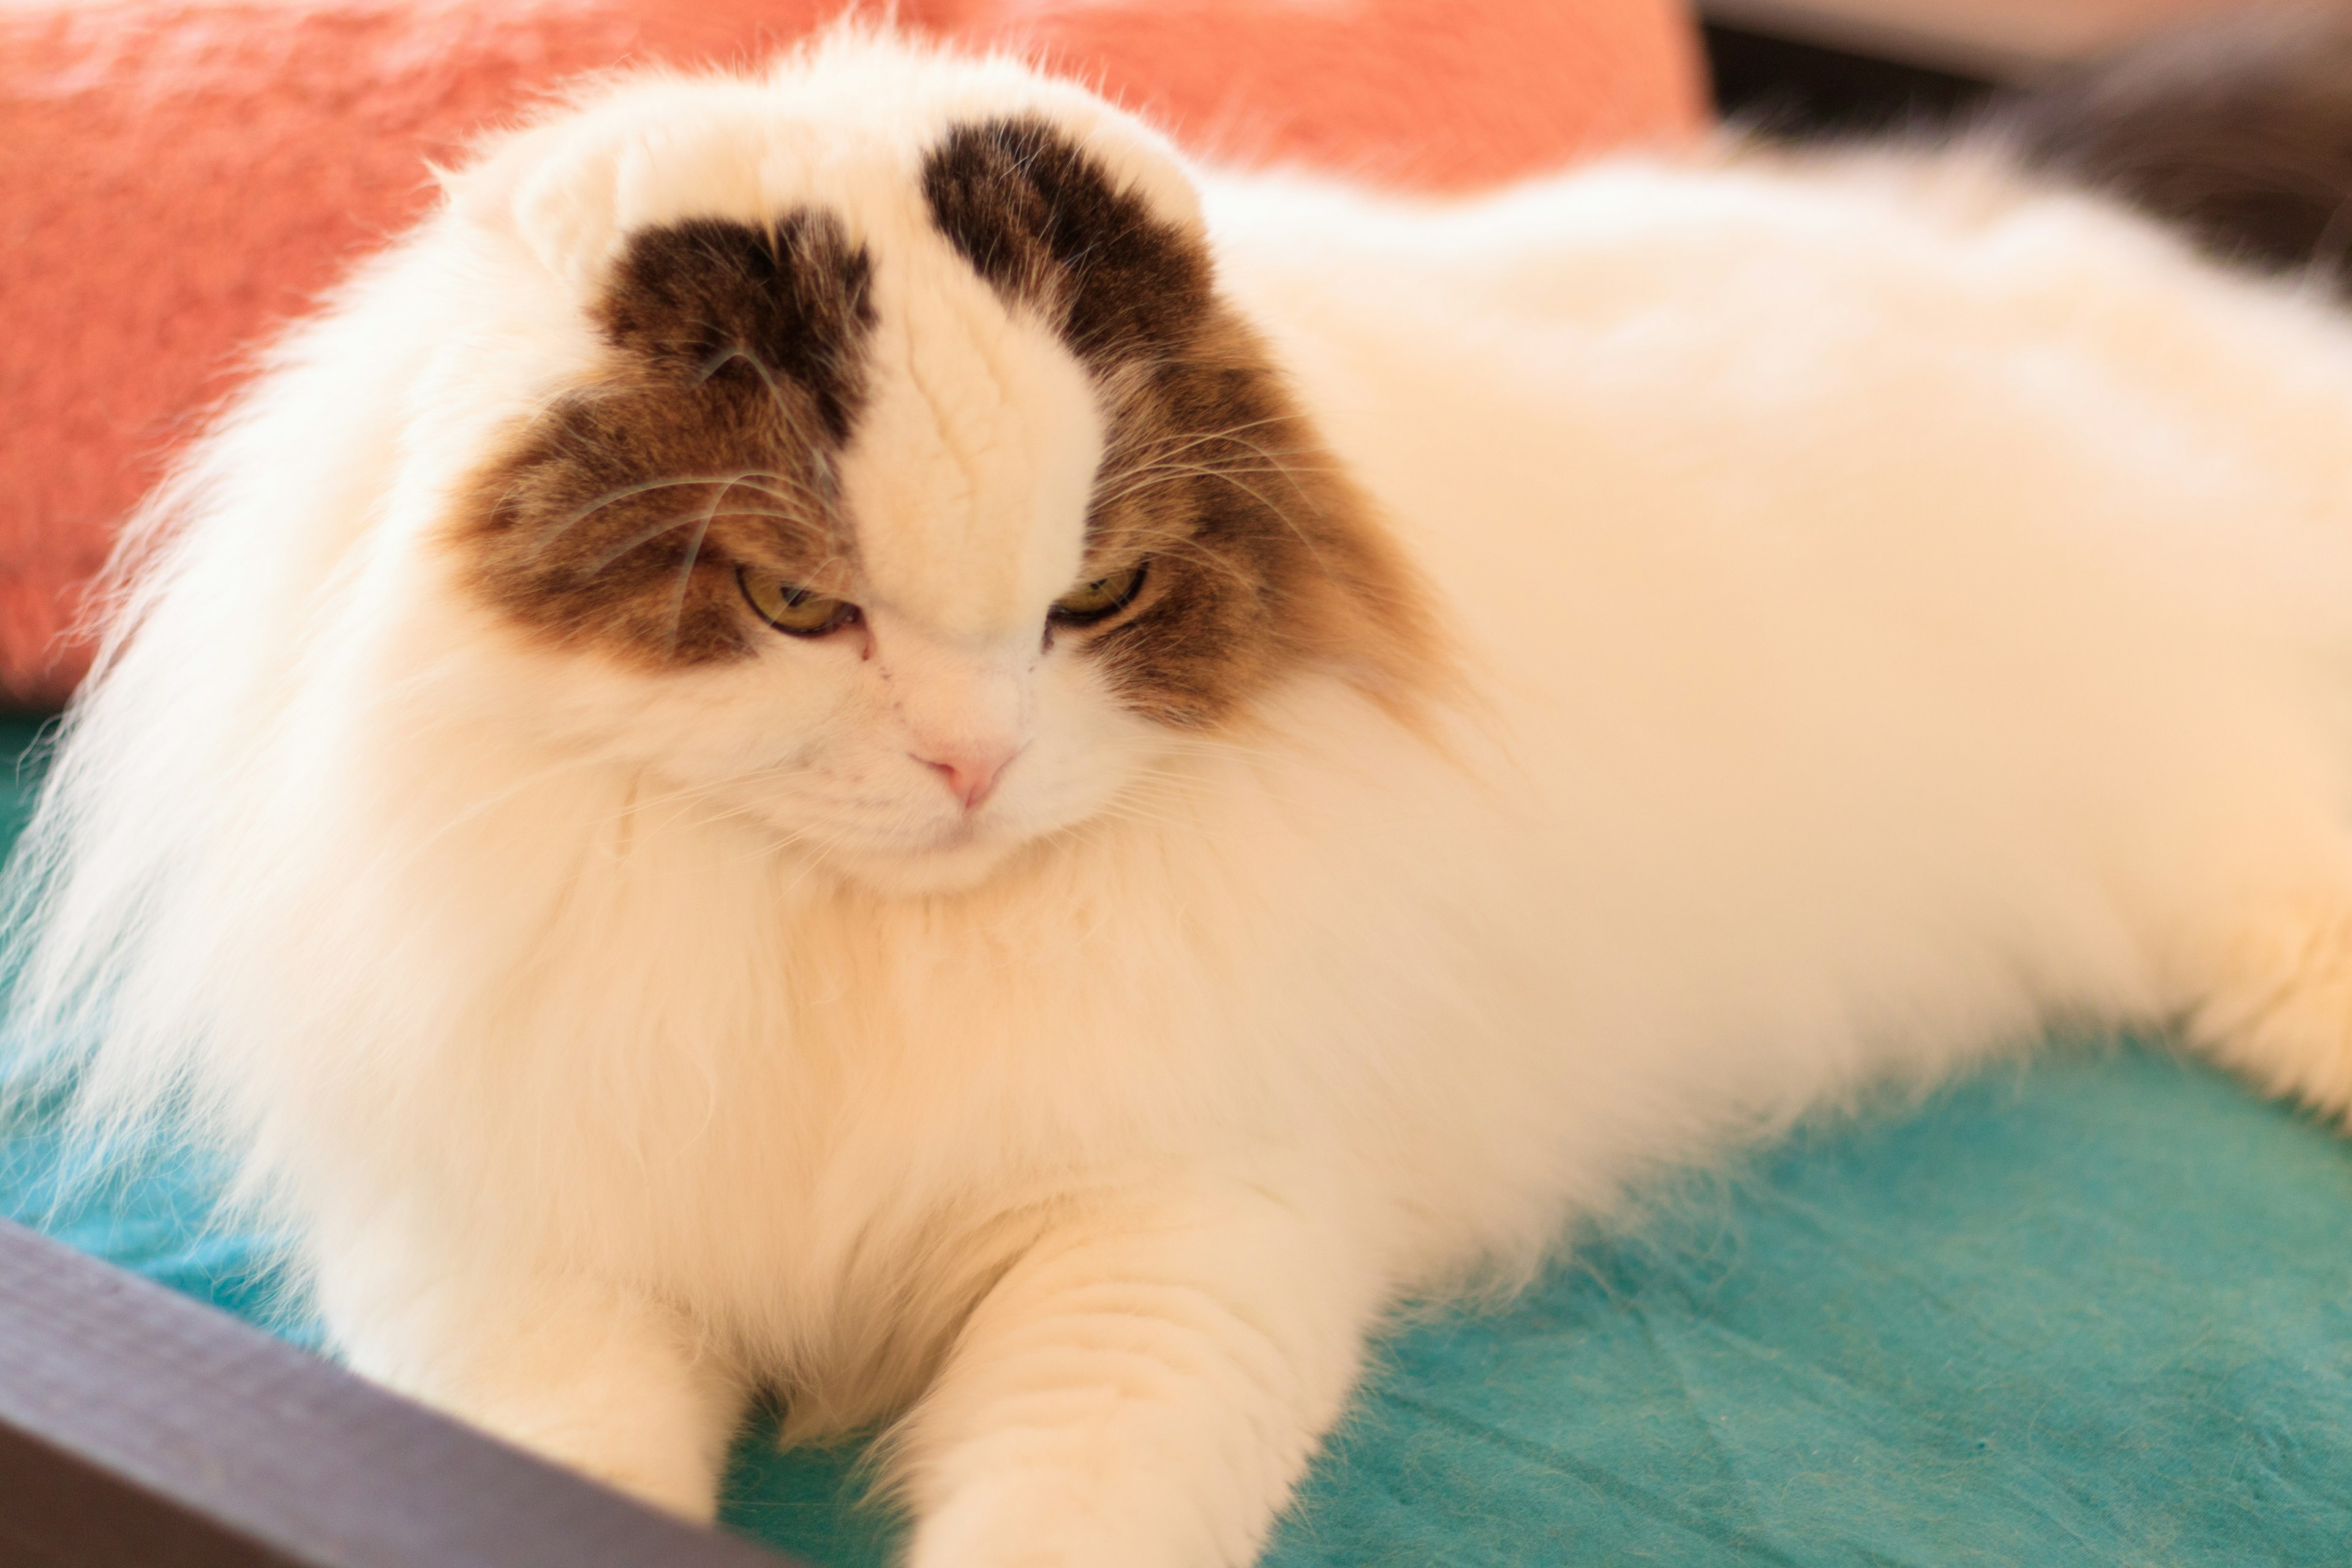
{"type": "Point", "coordinates": [967, 474]}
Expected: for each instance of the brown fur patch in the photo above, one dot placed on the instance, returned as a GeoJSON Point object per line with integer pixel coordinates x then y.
{"type": "Point", "coordinates": [1266, 559]}
{"type": "Point", "coordinates": [619, 517]}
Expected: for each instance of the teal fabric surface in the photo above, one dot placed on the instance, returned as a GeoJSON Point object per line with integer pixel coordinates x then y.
{"type": "Point", "coordinates": [2099, 1310]}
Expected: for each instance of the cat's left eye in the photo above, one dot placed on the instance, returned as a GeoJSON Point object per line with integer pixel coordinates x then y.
{"type": "Point", "coordinates": [1100, 599]}
{"type": "Point", "coordinates": [791, 608]}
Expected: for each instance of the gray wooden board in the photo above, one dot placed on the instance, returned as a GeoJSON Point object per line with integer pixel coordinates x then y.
{"type": "Point", "coordinates": [141, 1429]}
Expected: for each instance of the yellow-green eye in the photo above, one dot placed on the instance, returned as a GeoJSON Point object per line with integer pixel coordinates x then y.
{"type": "Point", "coordinates": [791, 608]}
{"type": "Point", "coordinates": [1100, 599]}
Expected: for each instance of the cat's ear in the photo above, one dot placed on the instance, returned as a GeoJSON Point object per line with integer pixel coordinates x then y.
{"type": "Point", "coordinates": [571, 190]}
{"type": "Point", "coordinates": [1102, 235]}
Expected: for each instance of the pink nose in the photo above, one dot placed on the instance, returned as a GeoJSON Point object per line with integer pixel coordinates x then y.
{"type": "Point", "coordinates": [969, 775]}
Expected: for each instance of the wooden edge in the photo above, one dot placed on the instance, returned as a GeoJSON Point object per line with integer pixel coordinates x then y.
{"type": "Point", "coordinates": [139, 1428]}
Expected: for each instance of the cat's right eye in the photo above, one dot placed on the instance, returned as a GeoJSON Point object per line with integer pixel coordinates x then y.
{"type": "Point", "coordinates": [791, 608]}
{"type": "Point", "coordinates": [1099, 599]}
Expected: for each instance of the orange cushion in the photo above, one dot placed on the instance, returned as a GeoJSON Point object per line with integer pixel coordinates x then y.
{"type": "Point", "coordinates": [179, 175]}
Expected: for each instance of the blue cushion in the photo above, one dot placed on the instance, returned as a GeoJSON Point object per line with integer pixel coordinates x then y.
{"type": "Point", "coordinates": [2098, 1310]}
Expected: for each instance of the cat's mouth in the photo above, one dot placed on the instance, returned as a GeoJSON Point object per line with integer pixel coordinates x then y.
{"type": "Point", "coordinates": [946, 857]}
{"type": "Point", "coordinates": [965, 830]}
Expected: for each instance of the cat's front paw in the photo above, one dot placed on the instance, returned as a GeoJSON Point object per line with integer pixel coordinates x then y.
{"type": "Point", "coordinates": [646, 1460]}
{"type": "Point", "coordinates": [1046, 1526]}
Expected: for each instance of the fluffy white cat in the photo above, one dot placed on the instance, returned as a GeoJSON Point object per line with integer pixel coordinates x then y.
{"type": "Point", "coordinates": [847, 731]}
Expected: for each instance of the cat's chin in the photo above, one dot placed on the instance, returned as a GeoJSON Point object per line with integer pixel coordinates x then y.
{"type": "Point", "coordinates": [919, 873]}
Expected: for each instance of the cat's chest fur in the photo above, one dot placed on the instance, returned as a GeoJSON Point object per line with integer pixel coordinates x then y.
{"type": "Point", "coordinates": [766, 1079]}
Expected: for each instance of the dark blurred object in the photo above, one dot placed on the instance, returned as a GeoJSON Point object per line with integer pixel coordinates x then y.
{"type": "Point", "coordinates": [2241, 133]}
{"type": "Point", "coordinates": [1788, 86]}
{"type": "Point", "coordinates": [2237, 129]}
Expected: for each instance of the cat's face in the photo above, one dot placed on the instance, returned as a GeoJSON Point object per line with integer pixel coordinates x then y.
{"type": "Point", "coordinates": [922, 494]}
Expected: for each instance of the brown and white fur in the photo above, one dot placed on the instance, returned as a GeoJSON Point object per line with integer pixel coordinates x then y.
{"type": "Point", "coordinates": [1618, 663]}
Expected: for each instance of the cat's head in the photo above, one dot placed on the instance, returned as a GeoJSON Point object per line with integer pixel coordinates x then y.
{"type": "Point", "coordinates": [909, 486]}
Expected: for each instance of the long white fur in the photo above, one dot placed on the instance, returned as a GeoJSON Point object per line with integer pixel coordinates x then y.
{"type": "Point", "coordinates": [1900, 606]}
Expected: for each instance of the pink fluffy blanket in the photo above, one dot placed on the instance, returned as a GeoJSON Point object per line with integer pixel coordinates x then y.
{"type": "Point", "coordinates": [181, 175]}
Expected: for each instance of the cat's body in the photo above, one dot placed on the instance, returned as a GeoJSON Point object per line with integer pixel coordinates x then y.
{"type": "Point", "coordinates": [1703, 640]}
